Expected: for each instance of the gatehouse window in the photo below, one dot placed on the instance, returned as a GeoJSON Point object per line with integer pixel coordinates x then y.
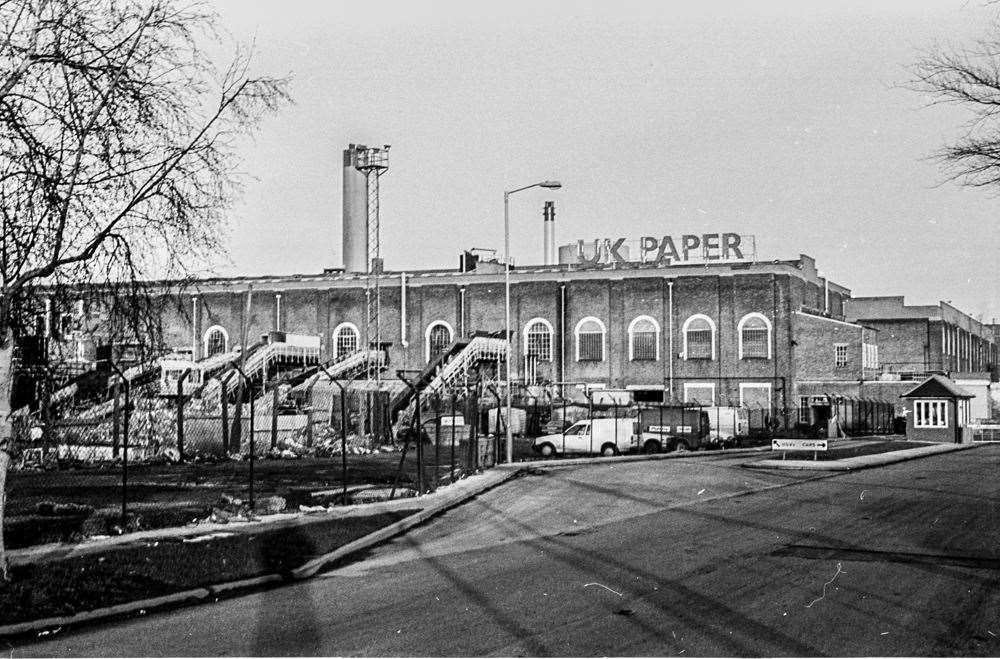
{"type": "Point", "coordinates": [216, 341]}
{"type": "Point", "coordinates": [643, 339]}
{"type": "Point", "coordinates": [589, 340]}
{"type": "Point", "coordinates": [437, 338]}
{"type": "Point", "coordinates": [930, 414]}
{"type": "Point", "coordinates": [754, 330]}
{"type": "Point", "coordinates": [699, 337]}
{"type": "Point", "coordinates": [538, 339]}
{"type": "Point", "coordinates": [345, 339]}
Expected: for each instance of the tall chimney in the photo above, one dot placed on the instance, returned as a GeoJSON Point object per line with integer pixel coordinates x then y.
{"type": "Point", "coordinates": [355, 213]}
{"type": "Point", "coordinates": [549, 229]}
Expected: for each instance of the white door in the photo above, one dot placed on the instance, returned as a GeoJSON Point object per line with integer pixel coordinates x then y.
{"type": "Point", "coordinates": [578, 438]}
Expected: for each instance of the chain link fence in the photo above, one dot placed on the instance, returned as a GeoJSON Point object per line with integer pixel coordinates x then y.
{"type": "Point", "coordinates": [141, 457]}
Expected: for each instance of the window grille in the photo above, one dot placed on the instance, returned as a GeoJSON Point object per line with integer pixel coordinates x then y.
{"type": "Point", "coordinates": [216, 343]}
{"type": "Point", "coordinates": [590, 341]}
{"type": "Point", "coordinates": [591, 346]}
{"type": "Point", "coordinates": [538, 341]}
{"type": "Point", "coordinates": [346, 341]}
{"type": "Point", "coordinates": [439, 340]}
{"type": "Point", "coordinates": [755, 341]}
{"type": "Point", "coordinates": [699, 344]}
{"type": "Point", "coordinates": [643, 337]}
{"type": "Point", "coordinates": [840, 355]}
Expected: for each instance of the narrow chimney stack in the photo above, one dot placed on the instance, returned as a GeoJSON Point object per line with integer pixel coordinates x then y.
{"type": "Point", "coordinates": [549, 228]}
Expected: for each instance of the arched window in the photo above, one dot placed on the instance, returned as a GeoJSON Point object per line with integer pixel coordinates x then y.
{"type": "Point", "coordinates": [538, 339]}
{"type": "Point", "coordinates": [345, 339]}
{"type": "Point", "coordinates": [643, 339]}
{"type": "Point", "coordinates": [437, 338]}
{"type": "Point", "coordinates": [589, 340]}
{"type": "Point", "coordinates": [699, 337]}
{"type": "Point", "coordinates": [754, 330]}
{"type": "Point", "coordinates": [216, 341]}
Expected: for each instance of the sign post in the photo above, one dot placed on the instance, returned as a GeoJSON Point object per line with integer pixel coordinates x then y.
{"type": "Point", "coordinates": [814, 445]}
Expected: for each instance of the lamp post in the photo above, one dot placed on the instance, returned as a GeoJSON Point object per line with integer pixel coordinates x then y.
{"type": "Point", "coordinates": [551, 185]}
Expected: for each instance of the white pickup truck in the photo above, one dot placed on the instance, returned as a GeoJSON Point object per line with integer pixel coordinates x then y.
{"type": "Point", "coordinates": [590, 437]}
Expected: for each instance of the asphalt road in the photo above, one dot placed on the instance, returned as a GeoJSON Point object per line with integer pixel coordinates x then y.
{"type": "Point", "coordinates": [691, 557]}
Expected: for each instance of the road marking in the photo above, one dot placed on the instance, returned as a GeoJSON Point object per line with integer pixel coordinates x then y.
{"type": "Point", "coordinates": [604, 587]}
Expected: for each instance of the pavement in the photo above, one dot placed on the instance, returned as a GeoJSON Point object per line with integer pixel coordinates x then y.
{"type": "Point", "coordinates": [861, 461]}
{"type": "Point", "coordinates": [655, 558]}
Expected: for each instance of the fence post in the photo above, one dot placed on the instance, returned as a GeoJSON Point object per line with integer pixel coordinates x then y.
{"type": "Point", "coordinates": [437, 440]}
{"type": "Point", "coordinates": [274, 415]}
{"type": "Point", "coordinates": [125, 430]}
{"type": "Point", "coordinates": [420, 444]}
{"type": "Point", "coordinates": [253, 444]}
{"type": "Point", "coordinates": [563, 424]}
{"type": "Point", "coordinates": [615, 414]}
{"type": "Point", "coordinates": [180, 415]}
{"type": "Point", "coordinates": [125, 423]}
{"type": "Point", "coordinates": [224, 402]}
{"type": "Point", "coordinates": [115, 421]}
{"type": "Point", "coordinates": [451, 474]}
{"type": "Point", "coordinates": [244, 386]}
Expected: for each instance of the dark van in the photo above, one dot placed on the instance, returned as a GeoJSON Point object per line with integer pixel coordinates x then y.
{"type": "Point", "coordinates": [672, 428]}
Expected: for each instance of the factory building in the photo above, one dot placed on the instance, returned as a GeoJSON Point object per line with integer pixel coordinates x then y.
{"type": "Point", "coordinates": [694, 318]}
{"type": "Point", "coordinates": [920, 339]}
{"type": "Point", "coordinates": [727, 333]}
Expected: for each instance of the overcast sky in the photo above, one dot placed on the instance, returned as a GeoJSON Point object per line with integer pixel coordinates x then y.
{"type": "Point", "coordinates": [789, 121]}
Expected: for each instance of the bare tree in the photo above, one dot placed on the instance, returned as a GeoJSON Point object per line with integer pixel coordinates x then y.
{"type": "Point", "coordinates": [117, 152]}
{"type": "Point", "coordinates": [969, 77]}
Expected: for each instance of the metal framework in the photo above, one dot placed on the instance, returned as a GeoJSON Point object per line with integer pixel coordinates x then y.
{"type": "Point", "coordinates": [373, 162]}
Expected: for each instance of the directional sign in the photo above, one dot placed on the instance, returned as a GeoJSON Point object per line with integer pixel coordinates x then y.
{"type": "Point", "coordinates": [798, 444]}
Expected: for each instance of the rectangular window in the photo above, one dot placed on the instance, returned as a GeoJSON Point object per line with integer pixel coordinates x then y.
{"type": "Point", "coordinates": [755, 342]}
{"type": "Point", "coordinates": [930, 414]}
{"type": "Point", "coordinates": [591, 346]}
{"type": "Point", "coordinates": [644, 346]}
{"type": "Point", "coordinates": [840, 355]}
{"type": "Point", "coordinates": [869, 355]}
{"type": "Point", "coordinates": [699, 344]}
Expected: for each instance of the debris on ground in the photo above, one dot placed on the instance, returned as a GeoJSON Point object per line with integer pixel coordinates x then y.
{"type": "Point", "coordinates": [270, 505]}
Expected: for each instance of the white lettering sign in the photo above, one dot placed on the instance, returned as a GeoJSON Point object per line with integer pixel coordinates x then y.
{"type": "Point", "coordinates": [798, 444]}
{"type": "Point", "coordinates": [666, 250]}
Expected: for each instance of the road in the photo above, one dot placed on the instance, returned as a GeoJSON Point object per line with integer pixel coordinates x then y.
{"type": "Point", "coordinates": [689, 557]}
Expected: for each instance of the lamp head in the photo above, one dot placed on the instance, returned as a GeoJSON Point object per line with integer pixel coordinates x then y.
{"type": "Point", "coordinates": [551, 185]}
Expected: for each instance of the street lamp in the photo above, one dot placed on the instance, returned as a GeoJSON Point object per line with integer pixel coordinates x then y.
{"type": "Point", "coordinates": [551, 185]}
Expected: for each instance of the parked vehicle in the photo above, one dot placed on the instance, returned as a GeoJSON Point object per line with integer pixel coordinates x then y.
{"type": "Point", "coordinates": [672, 428]}
{"type": "Point", "coordinates": [727, 425]}
{"type": "Point", "coordinates": [590, 437]}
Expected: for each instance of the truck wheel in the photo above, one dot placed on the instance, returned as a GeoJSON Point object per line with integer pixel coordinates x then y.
{"type": "Point", "coordinates": [547, 450]}
{"type": "Point", "coordinates": [652, 446]}
{"type": "Point", "coordinates": [608, 450]}
{"type": "Point", "coordinates": [680, 445]}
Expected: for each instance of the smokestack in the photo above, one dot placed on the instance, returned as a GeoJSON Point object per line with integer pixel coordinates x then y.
{"type": "Point", "coordinates": [355, 213]}
{"type": "Point", "coordinates": [549, 232]}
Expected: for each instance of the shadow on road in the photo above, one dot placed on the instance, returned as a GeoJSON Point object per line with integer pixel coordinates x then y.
{"type": "Point", "coordinates": [280, 631]}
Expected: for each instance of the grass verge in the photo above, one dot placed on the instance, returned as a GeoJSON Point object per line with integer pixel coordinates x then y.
{"type": "Point", "coordinates": [65, 586]}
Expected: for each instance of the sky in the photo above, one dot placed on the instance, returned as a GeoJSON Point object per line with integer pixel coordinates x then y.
{"type": "Point", "coordinates": [792, 121]}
